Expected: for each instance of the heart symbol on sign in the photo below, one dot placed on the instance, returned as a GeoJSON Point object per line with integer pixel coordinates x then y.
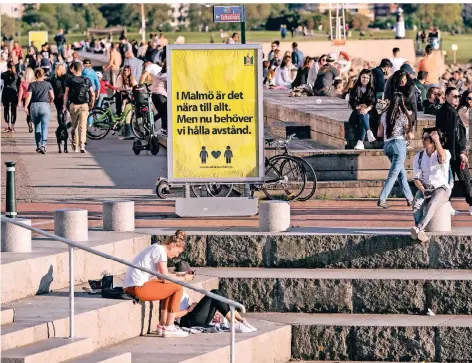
{"type": "Point", "coordinates": [216, 154]}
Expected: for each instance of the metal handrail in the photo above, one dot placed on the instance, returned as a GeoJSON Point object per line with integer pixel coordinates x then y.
{"type": "Point", "coordinates": [233, 304]}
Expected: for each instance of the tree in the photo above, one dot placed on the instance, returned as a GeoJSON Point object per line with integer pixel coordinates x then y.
{"type": "Point", "coordinates": [112, 13]}
{"type": "Point", "coordinates": [360, 22]}
{"type": "Point", "coordinates": [156, 15]}
{"type": "Point", "coordinates": [440, 15]}
{"type": "Point", "coordinates": [467, 15]}
{"type": "Point", "coordinates": [93, 17]}
{"type": "Point", "coordinates": [199, 16]}
{"type": "Point", "coordinates": [10, 26]}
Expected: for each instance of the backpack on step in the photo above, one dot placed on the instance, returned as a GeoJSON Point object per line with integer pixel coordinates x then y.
{"type": "Point", "coordinates": [79, 91]}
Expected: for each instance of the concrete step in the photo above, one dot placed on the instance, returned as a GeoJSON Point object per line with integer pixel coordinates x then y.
{"type": "Point", "coordinates": [361, 337]}
{"type": "Point", "coordinates": [51, 351]}
{"type": "Point", "coordinates": [41, 317]}
{"type": "Point", "coordinates": [270, 344]}
{"type": "Point", "coordinates": [365, 291]}
{"type": "Point", "coordinates": [46, 268]}
{"type": "Point", "coordinates": [328, 248]}
{"type": "Point", "coordinates": [102, 357]}
{"type": "Point", "coordinates": [344, 165]}
{"type": "Point", "coordinates": [8, 316]}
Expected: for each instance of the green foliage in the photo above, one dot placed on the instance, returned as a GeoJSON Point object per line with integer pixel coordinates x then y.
{"type": "Point", "coordinates": [10, 26]}
{"type": "Point", "coordinates": [360, 22]}
{"type": "Point", "coordinates": [445, 16]}
{"type": "Point", "coordinates": [112, 13]}
{"type": "Point", "coordinates": [156, 15]}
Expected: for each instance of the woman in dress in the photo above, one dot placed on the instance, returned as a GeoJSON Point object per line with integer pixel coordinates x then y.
{"type": "Point", "coordinates": [395, 129]}
{"type": "Point", "coordinates": [362, 101]}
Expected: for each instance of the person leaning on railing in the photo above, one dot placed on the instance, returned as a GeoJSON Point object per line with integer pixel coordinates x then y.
{"type": "Point", "coordinates": [142, 285]}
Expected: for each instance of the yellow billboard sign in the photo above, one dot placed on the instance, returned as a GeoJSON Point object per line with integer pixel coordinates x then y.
{"type": "Point", "coordinates": [38, 37]}
{"type": "Point", "coordinates": [215, 113]}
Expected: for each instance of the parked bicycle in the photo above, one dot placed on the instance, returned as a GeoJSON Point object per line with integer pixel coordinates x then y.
{"type": "Point", "coordinates": [103, 120]}
{"type": "Point", "coordinates": [163, 189]}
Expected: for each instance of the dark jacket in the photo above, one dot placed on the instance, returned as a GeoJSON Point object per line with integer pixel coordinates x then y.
{"type": "Point", "coordinates": [59, 85]}
{"type": "Point", "coordinates": [357, 97]}
{"type": "Point", "coordinates": [448, 121]}
{"type": "Point", "coordinates": [301, 78]}
{"type": "Point", "coordinates": [379, 79]}
{"type": "Point", "coordinates": [431, 108]}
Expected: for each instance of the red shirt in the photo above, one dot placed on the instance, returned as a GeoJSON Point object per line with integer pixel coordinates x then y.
{"type": "Point", "coordinates": [104, 86]}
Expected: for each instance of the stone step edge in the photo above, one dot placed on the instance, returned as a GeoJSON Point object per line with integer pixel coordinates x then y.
{"type": "Point", "coordinates": [98, 356]}
{"type": "Point", "coordinates": [48, 325]}
{"type": "Point", "coordinates": [336, 274]}
{"type": "Point", "coordinates": [7, 316]}
{"type": "Point", "coordinates": [52, 350]}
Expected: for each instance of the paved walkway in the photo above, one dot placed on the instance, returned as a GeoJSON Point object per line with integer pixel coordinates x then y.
{"type": "Point", "coordinates": [319, 214]}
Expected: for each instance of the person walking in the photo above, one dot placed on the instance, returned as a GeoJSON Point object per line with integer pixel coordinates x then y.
{"type": "Point", "coordinates": [159, 91]}
{"type": "Point", "coordinates": [455, 133]}
{"type": "Point", "coordinates": [58, 83]}
{"type": "Point", "coordinates": [362, 100]}
{"type": "Point", "coordinates": [41, 96]}
{"type": "Point", "coordinates": [60, 40]}
{"type": "Point", "coordinates": [10, 96]}
{"type": "Point", "coordinates": [394, 128]}
{"type": "Point", "coordinates": [465, 104]}
{"type": "Point", "coordinates": [26, 80]}
{"type": "Point", "coordinates": [142, 284]}
{"type": "Point", "coordinates": [80, 93]}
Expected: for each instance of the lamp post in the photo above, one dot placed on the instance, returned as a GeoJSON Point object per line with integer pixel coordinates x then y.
{"type": "Point", "coordinates": [400, 26]}
{"type": "Point", "coordinates": [143, 24]}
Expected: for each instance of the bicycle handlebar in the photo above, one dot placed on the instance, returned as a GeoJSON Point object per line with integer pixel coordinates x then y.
{"type": "Point", "coordinates": [282, 143]}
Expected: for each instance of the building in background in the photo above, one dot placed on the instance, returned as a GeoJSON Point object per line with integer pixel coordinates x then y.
{"type": "Point", "coordinates": [384, 10]}
{"type": "Point", "coordinates": [12, 10]}
{"type": "Point", "coordinates": [353, 8]}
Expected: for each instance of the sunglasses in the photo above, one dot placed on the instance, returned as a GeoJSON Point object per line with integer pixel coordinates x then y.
{"type": "Point", "coordinates": [469, 98]}
{"type": "Point", "coordinates": [456, 97]}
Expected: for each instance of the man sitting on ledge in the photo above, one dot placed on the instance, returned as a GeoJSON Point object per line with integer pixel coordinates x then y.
{"type": "Point", "coordinates": [431, 172]}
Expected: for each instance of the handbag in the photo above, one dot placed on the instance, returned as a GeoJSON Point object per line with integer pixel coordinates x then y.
{"type": "Point", "coordinates": [382, 106]}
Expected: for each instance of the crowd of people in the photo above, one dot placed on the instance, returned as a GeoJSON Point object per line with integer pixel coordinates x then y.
{"type": "Point", "coordinates": [75, 87]}
{"type": "Point", "coordinates": [385, 102]}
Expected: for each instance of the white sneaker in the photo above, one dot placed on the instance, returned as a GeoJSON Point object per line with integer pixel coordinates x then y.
{"type": "Point", "coordinates": [414, 232]}
{"type": "Point", "coordinates": [246, 323]}
{"type": "Point", "coordinates": [359, 145]}
{"type": "Point", "coordinates": [241, 328]}
{"type": "Point", "coordinates": [455, 212]}
{"type": "Point", "coordinates": [370, 136]}
{"type": "Point", "coordinates": [174, 331]}
{"type": "Point", "coordinates": [470, 210]}
{"type": "Point", "coordinates": [160, 331]}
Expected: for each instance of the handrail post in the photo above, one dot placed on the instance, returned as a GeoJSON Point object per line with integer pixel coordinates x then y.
{"type": "Point", "coordinates": [233, 337]}
{"type": "Point", "coordinates": [71, 293]}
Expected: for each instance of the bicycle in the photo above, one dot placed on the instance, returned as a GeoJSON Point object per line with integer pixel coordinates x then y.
{"type": "Point", "coordinates": [143, 126]}
{"type": "Point", "coordinates": [308, 169]}
{"type": "Point", "coordinates": [163, 187]}
{"type": "Point", "coordinates": [104, 120]}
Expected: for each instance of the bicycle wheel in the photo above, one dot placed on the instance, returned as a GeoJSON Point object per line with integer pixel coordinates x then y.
{"type": "Point", "coordinates": [139, 125]}
{"type": "Point", "coordinates": [310, 187]}
{"type": "Point", "coordinates": [284, 178]}
{"type": "Point", "coordinates": [100, 124]}
{"type": "Point", "coordinates": [219, 190]}
{"type": "Point", "coordinates": [199, 190]}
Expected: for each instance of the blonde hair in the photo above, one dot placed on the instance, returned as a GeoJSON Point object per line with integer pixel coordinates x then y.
{"type": "Point", "coordinates": [62, 69]}
{"type": "Point", "coordinates": [29, 77]}
{"type": "Point", "coordinates": [177, 239]}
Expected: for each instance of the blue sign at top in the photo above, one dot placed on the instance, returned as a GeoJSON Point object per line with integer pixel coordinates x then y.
{"type": "Point", "coordinates": [228, 14]}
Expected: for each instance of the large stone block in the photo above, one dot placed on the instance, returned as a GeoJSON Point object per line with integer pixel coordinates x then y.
{"type": "Point", "coordinates": [274, 216]}
{"type": "Point", "coordinates": [448, 251]}
{"type": "Point", "coordinates": [320, 342]}
{"type": "Point", "coordinates": [377, 343]}
{"type": "Point", "coordinates": [118, 215]}
{"type": "Point", "coordinates": [454, 344]}
{"type": "Point", "coordinates": [450, 296]}
{"type": "Point", "coordinates": [71, 223]}
{"type": "Point", "coordinates": [242, 251]}
{"type": "Point", "coordinates": [256, 295]}
{"type": "Point", "coordinates": [314, 296]}
{"type": "Point", "coordinates": [388, 296]}
{"type": "Point", "coordinates": [196, 250]}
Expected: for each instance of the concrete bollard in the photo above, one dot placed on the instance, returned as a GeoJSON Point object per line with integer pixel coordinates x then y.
{"type": "Point", "coordinates": [441, 221]}
{"type": "Point", "coordinates": [118, 215]}
{"type": "Point", "coordinates": [16, 238]}
{"type": "Point", "coordinates": [274, 216]}
{"type": "Point", "coordinates": [71, 224]}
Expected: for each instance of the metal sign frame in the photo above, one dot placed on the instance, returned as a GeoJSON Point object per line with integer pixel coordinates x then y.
{"type": "Point", "coordinates": [260, 113]}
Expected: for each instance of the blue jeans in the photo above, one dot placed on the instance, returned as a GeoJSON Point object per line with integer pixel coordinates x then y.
{"type": "Point", "coordinates": [40, 115]}
{"type": "Point", "coordinates": [396, 153]}
{"type": "Point", "coordinates": [364, 123]}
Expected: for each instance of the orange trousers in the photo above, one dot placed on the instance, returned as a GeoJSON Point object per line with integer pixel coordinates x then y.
{"type": "Point", "coordinates": [169, 294]}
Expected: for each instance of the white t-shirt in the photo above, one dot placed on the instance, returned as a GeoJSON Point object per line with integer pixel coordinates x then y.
{"type": "Point", "coordinates": [431, 171]}
{"type": "Point", "coordinates": [397, 63]}
{"type": "Point", "coordinates": [159, 80]}
{"type": "Point", "coordinates": [147, 258]}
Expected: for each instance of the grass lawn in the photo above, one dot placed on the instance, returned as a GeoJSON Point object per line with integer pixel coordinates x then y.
{"type": "Point", "coordinates": [464, 42]}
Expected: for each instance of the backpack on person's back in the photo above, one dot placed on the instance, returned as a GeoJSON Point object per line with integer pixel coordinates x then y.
{"type": "Point", "coordinates": [79, 90]}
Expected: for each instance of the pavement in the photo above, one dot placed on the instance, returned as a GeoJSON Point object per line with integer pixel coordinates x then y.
{"type": "Point", "coordinates": [110, 170]}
